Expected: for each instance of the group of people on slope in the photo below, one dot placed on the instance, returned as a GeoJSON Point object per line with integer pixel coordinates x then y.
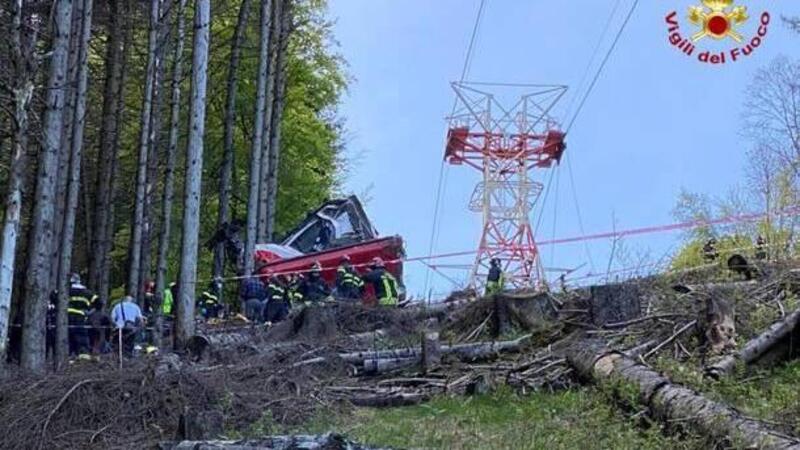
{"type": "Point", "coordinates": [270, 296]}
{"type": "Point", "coordinates": [89, 327]}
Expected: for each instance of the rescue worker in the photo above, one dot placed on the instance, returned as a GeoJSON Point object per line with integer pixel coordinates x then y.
{"type": "Point", "coordinates": [100, 324]}
{"type": "Point", "coordinates": [294, 289]}
{"type": "Point", "coordinates": [496, 279]}
{"type": "Point", "coordinates": [277, 308]}
{"type": "Point", "coordinates": [78, 309]}
{"type": "Point", "coordinates": [169, 299]}
{"type": "Point", "coordinates": [253, 294]}
{"type": "Point", "coordinates": [128, 320]}
{"type": "Point", "coordinates": [148, 308]}
{"type": "Point", "coordinates": [349, 285]}
{"type": "Point", "coordinates": [710, 253]}
{"type": "Point", "coordinates": [314, 288]}
{"type": "Point", "coordinates": [761, 248]}
{"type": "Point", "coordinates": [208, 302]}
{"type": "Point", "coordinates": [383, 283]}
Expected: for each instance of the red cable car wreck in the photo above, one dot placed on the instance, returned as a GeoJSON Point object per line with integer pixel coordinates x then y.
{"type": "Point", "coordinates": [336, 229]}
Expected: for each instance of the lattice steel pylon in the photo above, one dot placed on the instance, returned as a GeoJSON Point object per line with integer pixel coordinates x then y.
{"type": "Point", "coordinates": [506, 141]}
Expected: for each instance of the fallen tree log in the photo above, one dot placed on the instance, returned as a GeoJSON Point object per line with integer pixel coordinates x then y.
{"type": "Point", "coordinates": [327, 441]}
{"type": "Point", "coordinates": [389, 400]}
{"type": "Point", "coordinates": [755, 349]}
{"type": "Point", "coordinates": [474, 351]}
{"type": "Point", "coordinates": [671, 403]}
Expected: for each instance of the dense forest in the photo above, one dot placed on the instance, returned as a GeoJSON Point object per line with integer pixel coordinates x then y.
{"type": "Point", "coordinates": [130, 131]}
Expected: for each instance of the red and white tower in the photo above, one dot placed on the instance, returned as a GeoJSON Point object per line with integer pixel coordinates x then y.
{"type": "Point", "coordinates": [507, 140]}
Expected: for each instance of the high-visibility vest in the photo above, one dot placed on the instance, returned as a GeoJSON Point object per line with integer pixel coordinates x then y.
{"type": "Point", "coordinates": [166, 304]}
{"type": "Point", "coordinates": [494, 287]}
{"type": "Point", "coordinates": [79, 306]}
{"type": "Point", "coordinates": [277, 292]}
{"type": "Point", "coordinates": [350, 279]}
{"type": "Point", "coordinates": [390, 295]}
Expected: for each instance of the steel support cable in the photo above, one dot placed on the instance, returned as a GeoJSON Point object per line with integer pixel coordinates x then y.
{"type": "Point", "coordinates": [436, 225]}
{"type": "Point", "coordinates": [578, 212]}
{"type": "Point", "coordinates": [595, 52]}
{"type": "Point", "coordinates": [577, 114]}
{"type": "Point", "coordinates": [603, 64]}
{"type": "Point", "coordinates": [555, 218]}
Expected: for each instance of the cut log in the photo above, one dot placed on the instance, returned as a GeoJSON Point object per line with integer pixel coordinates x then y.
{"type": "Point", "coordinates": [469, 352]}
{"type": "Point", "coordinates": [389, 400]}
{"type": "Point", "coordinates": [384, 365]}
{"type": "Point", "coordinates": [327, 441]}
{"type": "Point", "coordinates": [755, 349]}
{"type": "Point", "coordinates": [431, 352]}
{"type": "Point", "coordinates": [480, 350]}
{"type": "Point", "coordinates": [671, 403]}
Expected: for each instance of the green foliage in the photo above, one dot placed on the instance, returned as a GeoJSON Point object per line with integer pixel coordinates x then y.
{"type": "Point", "coordinates": [563, 420]}
{"type": "Point", "coordinates": [311, 128]}
{"type": "Point", "coordinates": [691, 255]}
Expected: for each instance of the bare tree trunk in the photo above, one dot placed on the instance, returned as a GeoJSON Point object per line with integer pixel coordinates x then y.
{"type": "Point", "coordinates": [169, 171]}
{"type": "Point", "coordinates": [37, 281]}
{"type": "Point", "coordinates": [152, 160]}
{"type": "Point", "coordinates": [73, 186]}
{"type": "Point", "coordinates": [226, 171]}
{"type": "Point", "coordinates": [145, 138]}
{"type": "Point", "coordinates": [277, 118]}
{"type": "Point", "coordinates": [108, 232]}
{"type": "Point", "coordinates": [108, 152]}
{"type": "Point", "coordinates": [184, 321]}
{"type": "Point", "coordinates": [23, 91]}
{"type": "Point", "coordinates": [258, 134]}
{"type": "Point", "coordinates": [263, 183]}
{"type": "Point", "coordinates": [62, 175]}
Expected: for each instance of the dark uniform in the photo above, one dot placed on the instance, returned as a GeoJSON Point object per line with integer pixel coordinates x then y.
{"type": "Point", "coordinates": [277, 308]}
{"type": "Point", "coordinates": [253, 294]}
{"type": "Point", "coordinates": [294, 291]}
{"type": "Point", "coordinates": [761, 248]}
{"type": "Point", "coordinates": [495, 280]}
{"type": "Point", "coordinates": [314, 288]}
{"type": "Point", "coordinates": [384, 284]}
{"type": "Point", "coordinates": [100, 324]}
{"type": "Point", "coordinates": [208, 305]}
{"type": "Point", "coordinates": [710, 253]}
{"type": "Point", "coordinates": [80, 306]}
{"type": "Point", "coordinates": [349, 285]}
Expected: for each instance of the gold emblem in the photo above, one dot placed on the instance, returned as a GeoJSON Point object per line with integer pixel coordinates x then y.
{"type": "Point", "coordinates": [717, 19]}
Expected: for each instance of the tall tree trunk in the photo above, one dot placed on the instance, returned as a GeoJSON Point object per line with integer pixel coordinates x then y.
{"type": "Point", "coordinates": [145, 137]}
{"type": "Point", "coordinates": [277, 118]}
{"type": "Point", "coordinates": [108, 232]}
{"type": "Point", "coordinates": [152, 160]}
{"type": "Point", "coordinates": [62, 175]}
{"type": "Point", "coordinates": [258, 134]}
{"type": "Point", "coordinates": [73, 186]}
{"type": "Point", "coordinates": [23, 91]}
{"type": "Point", "coordinates": [194, 170]}
{"type": "Point", "coordinates": [37, 281]}
{"type": "Point", "coordinates": [169, 171]}
{"type": "Point", "coordinates": [226, 170]}
{"type": "Point", "coordinates": [272, 76]}
{"type": "Point", "coordinates": [107, 153]}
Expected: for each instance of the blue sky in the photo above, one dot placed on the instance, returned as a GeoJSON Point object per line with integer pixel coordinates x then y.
{"type": "Point", "coordinates": [656, 122]}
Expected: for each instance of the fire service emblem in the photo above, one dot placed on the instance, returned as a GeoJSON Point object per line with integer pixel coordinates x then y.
{"type": "Point", "coordinates": [718, 20]}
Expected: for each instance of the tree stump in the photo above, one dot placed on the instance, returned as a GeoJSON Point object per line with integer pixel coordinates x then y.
{"type": "Point", "coordinates": [614, 303]}
{"type": "Point", "coordinates": [431, 352]}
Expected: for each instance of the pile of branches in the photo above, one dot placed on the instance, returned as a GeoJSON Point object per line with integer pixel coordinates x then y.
{"type": "Point", "coordinates": [332, 357]}
{"type": "Point", "coordinates": [96, 405]}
